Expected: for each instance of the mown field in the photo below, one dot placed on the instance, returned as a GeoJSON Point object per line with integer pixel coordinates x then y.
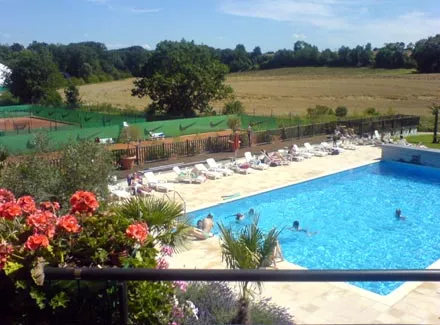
{"type": "Point", "coordinates": [293, 90]}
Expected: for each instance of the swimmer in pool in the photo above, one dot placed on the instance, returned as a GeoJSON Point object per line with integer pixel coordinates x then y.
{"type": "Point", "coordinates": [296, 227]}
{"type": "Point", "coordinates": [239, 217]}
{"type": "Point", "coordinates": [399, 215]}
{"type": "Point", "coordinates": [251, 212]}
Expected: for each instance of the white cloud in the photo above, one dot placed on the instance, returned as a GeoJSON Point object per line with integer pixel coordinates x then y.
{"type": "Point", "coordinates": [143, 10]}
{"type": "Point", "coordinates": [299, 36]}
{"type": "Point", "coordinates": [113, 46]}
{"type": "Point", "coordinates": [344, 20]}
{"type": "Point", "coordinates": [147, 46]}
{"type": "Point", "coordinates": [5, 35]}
{"type": "Point", "coordinates": [86, 35]}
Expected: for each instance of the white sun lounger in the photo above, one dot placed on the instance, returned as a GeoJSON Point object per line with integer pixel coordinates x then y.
{"type": "Point", "coordinates": [204, 171]}
{"type": "Point", "coordinates": [215, 167]}
{"type": "Point", "coordinates": [119, 193]}
{"type": "Point", "coordinates": [254, 162]}
{"type": "Point", "coordinates": [290, 156]}
{"type": "Point", "coordinates": [314, 151]}
{"type": "Point", "coordinates": [157, 184]}
{"type": "Point", "coordinates": [302, 153]}
{"type": "Point", "coordinates": [325, 146]}
{"type": "Point", "coordinates": [236, 167]}
{"type": "Point", "coordinates": [187, 176]}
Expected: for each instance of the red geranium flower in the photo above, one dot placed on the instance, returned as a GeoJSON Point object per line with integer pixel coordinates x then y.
{"type": "Point", "coordinates": [6, 196]}
{"type": "Point", "coordinates": [137, 231]}
{"type": "Point", "coordinates": [42, 222]}
{"type": "Point", "coordinates": [69, 223]}
{"type": "Point", "coordinates": [83, 202]}
{"type": "Point", "coordinates": [36, 241]}
{"type": "Point", "coordinates": [10, 210]}
{"type": "Point", "coordinates": [49, 206]}
{"type": "Point", "coordinates": [5, 251]}
{"type": "Point", "coordinates": [27, 204]}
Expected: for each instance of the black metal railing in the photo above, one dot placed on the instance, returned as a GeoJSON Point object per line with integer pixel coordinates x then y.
{"type": "Point", "coordinates": [122, 275]}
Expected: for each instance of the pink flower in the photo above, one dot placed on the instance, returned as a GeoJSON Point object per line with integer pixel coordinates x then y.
{"type": "Point", "coordinates": [5, 251]}
{"type": "Point", "coordinates": [69, 223]}
{"type": "Point", "coordinates": [178, 312]}
{"type": "Point", "coordinates": [36, 241]}
{"type": "Point", "coordinates": [10, 210]}
{"type": "Point", "coordinates": [182, 285]}
{"type": "Point", "coordinates": [6, 196]}
{"type": "Point", "coordinates": [27, 204]}
{"type": "Point", "coordinates": [162, 264]}
{"type": "Point", "coordinates": [167, 251]}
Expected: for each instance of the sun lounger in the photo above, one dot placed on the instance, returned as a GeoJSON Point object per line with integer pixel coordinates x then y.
{"type": "Point", "coordinates": [188, 176]}
{"type": "Point", "coordinates": [302, 153]}
{"type": "Point", "coordinates": [157, 184]}
{"type": "Point", "coordinates": [215, 167]}
{"type": "Point", "coordinates": [290, 156]}
{"type": "Point", "coordinates": [209, 174]}
{"type": "Point", "coordinates": [314, 151]}
{"type": "Point", "coordinates": [119, 193]}
{"type": "Point", "coordinates": [331, 149]}
{"type": "Point", "coordinates": [254, 162]}
{"type": "Point", "coordinates": [241, 168]}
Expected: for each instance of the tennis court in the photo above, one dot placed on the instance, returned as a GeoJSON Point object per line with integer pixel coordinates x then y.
{"type": "Point", "coordinates": [27, 123]}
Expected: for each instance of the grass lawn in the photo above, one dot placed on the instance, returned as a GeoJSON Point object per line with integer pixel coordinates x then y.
{"type": "Point", "coordinates": [425, 139]}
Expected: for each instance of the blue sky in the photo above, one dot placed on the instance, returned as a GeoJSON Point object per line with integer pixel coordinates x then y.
{"type": "Point", "coordinates": [270, 24]}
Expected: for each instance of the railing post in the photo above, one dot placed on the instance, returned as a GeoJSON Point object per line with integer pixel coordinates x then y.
{"type": "Point", "coordinates": [123, 303]}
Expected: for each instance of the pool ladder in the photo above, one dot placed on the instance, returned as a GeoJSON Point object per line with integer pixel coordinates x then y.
{"type": "Point", "coordinates": [172, 198]}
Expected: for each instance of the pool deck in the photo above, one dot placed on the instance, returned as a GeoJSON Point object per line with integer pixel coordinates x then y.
{"type": "Point", "coordinates": [310, 303]}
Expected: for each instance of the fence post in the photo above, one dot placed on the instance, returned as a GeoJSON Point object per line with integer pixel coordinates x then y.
{"type": "Point", "coordinates": [299, 135]}
{"type": "Point", "coordinates": [137, 154]}
{"type": "Point", "coordinates": [187, 147]}
{"type": "Point", "coordinates": [123, 303]}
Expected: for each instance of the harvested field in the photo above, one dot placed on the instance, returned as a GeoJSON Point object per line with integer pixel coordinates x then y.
{"type": "Point", "coordinates": [293, 90]}
{"type": "Point", "coordinates": [21, 123]}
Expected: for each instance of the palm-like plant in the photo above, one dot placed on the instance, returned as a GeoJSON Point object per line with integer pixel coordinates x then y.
{"type": "Point", "coordinates": [250, 248]}
{"type": "Point", "coordinates": [435, 110]}
{"type": "Point", "coordinates": [164, 218]}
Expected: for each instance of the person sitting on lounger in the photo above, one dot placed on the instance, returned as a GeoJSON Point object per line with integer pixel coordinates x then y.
{"type": "Point", "coordinates": [296, 227]}
{"type": "Point", "coordinates": [200, 234]}
{"type": "Point", "coordinates": [208, 223]}
{"type": "Point", "coordinates": [399, 215]}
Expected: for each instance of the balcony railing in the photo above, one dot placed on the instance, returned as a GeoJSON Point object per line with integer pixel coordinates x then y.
{"type": "Point", "coordinates": [122, 275]}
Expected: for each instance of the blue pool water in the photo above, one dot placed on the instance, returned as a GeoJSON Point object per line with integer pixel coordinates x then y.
{"type": "Point", "coordinates": [353, 213]}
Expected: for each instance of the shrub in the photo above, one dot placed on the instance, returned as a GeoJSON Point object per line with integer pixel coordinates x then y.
{"type": "Point", "coordinates": [7, 99]}
{"type": "Point", "coordinates": [216, 303]}
{"type": "Point", "coordinates": [318, 111]}
{"type": "Point", "coordinates": [234, 123]}
{"type": "Point", "coordinates": [233, 107]}
{"type": "Point", "coordinates": [130, 133]}
{"type": "Point", "coordinates": [51, 98]}
{"type": "Point", "coordinates": [341, 111]}
{"type": "Point", "coordinates": [371, 111]}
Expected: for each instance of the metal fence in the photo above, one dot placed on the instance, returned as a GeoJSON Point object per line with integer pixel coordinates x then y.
{"type": "Point", "coordinates": [163, 151]}
{"type": "Point", "coordinates": [119, 276]}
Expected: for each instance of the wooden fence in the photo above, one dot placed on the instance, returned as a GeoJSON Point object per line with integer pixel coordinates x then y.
{"type": "Point", "coordinates": [163, 151]}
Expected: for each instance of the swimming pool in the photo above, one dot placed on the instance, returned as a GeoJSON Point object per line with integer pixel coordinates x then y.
{"type": "Point", "coordinates": [353, 213]}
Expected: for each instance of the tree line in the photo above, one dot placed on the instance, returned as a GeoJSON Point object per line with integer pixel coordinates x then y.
{"type": "Point", "coordinates": [199, 70]}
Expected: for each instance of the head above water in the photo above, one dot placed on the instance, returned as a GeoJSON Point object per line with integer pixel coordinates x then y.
{"type": "Point", "coordinates": [296, 224]}
{"type": "Point", "coordinates": [239, 216]}
{"type": "Point", "coordinates": [398, 212]}
{"type": "Point", "coordinates": [210, 216]}
{"type": "Point", "coordinates": [199, 224]}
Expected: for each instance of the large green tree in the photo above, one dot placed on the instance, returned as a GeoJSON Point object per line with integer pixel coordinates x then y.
{"type": "Point", "coordinates": [182, 78]}
{"type": "Point", "coordinates": [427, 54]}
{"type": "Point", "coordinates": [34, 77]}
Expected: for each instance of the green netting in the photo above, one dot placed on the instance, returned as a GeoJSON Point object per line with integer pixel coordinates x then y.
{"type": "Point", "coordinates": [23, 143]}
{"type": "Point", "coordinates": [259, 122]}
{"type": "Point", "coordinates": [175, 128]}
{"type": "Point", "coordinates": [2, 89]}
{"type": "Point", "coordinates": [15, 111]}
{"type": "Point", "coordinates": [82, 118]}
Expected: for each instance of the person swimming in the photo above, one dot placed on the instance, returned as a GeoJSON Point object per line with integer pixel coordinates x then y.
{"type": "Point", "coordinates": [296, 227]}
{"type": "Point", "coordinates": [251, 212]}
{"type": "Point", "coordinates": [239, 216]}
{"type": "Point", "coordinates": [399, 215]}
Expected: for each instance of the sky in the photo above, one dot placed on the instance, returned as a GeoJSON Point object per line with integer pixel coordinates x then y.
{"type": "Point", "coordinates": [270, 24]}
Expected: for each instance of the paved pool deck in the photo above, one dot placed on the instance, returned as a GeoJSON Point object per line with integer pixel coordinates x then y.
{"type": "Point", "coordinates": [310, 303]}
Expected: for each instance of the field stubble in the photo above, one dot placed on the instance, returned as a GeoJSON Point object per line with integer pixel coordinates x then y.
{"type": "Point", "coordinates": [293, 90]}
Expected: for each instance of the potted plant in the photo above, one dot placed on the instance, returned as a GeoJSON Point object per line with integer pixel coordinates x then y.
{"type": "Point", "coordinates": [128, 134]}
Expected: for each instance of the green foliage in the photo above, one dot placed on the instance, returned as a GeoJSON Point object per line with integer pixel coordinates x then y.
{"type": "Point", "coordinates": [85, 165]}
{"type": "Point", "coordinates": [423, 139]}
{"type": "Point", "coordinates": [34, 77]}
{"type": "Point", "coordinates": [233, 107]}
{"type": "Point", "coordinates": [130, 133]}
{"type": "Point", "coordinates": [51, 98]}
{"type": "Point", "coordinates": [318, 111]}
{"type": "Point", "coordinates": [71, 93]}
{"type": "Point", "coordinates": [182, 78]}
{"type": "Point", "coordinates": [341, 111]}
{"type": "Point", "coordinates": [371, 111]}
{"type": "Point", "coordinates": [427, 54]}
{"type": "Point", "coordinates": [234, 123]}
{"type": "Point", "coordinates": [7, 99]}
{"type": "Point", "coordinates": [60, 300]}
